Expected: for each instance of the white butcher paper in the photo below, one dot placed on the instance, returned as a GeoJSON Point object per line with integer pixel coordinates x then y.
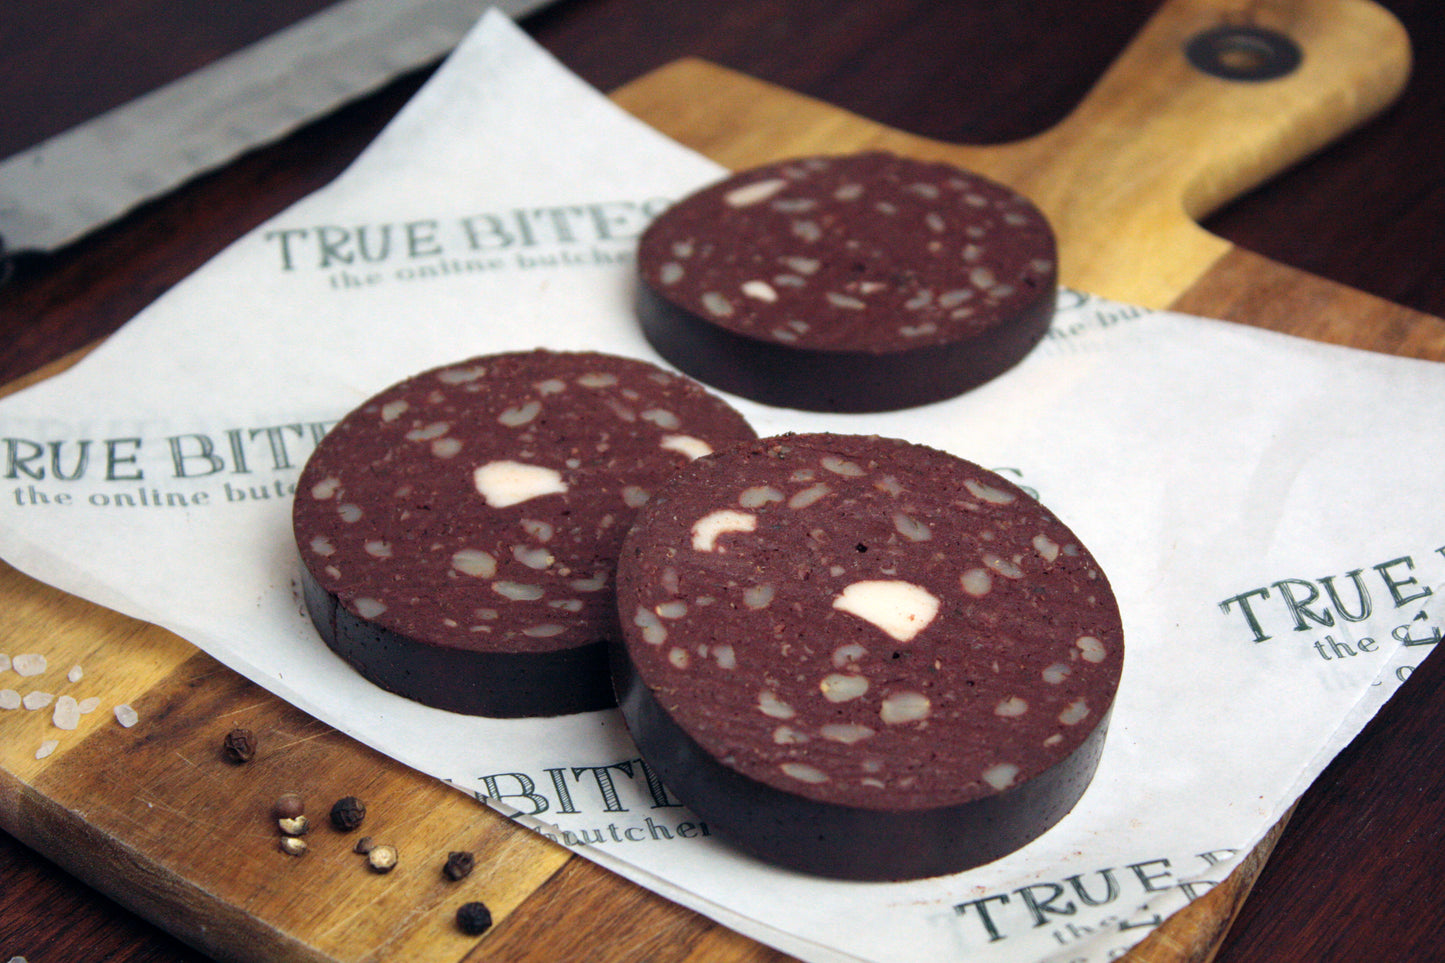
{"type": "Point", "coordinates": [1267, 509]}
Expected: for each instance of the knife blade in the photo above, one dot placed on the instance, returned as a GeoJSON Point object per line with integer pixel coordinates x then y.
{"type": "Point", "coordinates": [66, 186]}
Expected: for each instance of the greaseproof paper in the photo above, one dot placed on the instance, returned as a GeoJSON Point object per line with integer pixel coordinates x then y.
{"type": "Point", "coordinates": [1265, 508]}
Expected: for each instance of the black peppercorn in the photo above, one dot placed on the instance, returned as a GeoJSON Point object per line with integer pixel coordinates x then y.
{"type": "Point", "coordinates": [458, 866]}
{"type": "Point", "coordinates": [474, 919]}
{"type": "Point", "coordinates": [239, 745]}
{"type": "Point", "coordinates": [347, 813]}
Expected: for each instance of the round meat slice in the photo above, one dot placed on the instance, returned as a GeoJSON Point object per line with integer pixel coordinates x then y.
{"type": "Point", "coordinates": [863, 658]}
{"type": "Point", "coordinates": [864, 282]}
{"type": "Point", "coordinates": [459, 530]}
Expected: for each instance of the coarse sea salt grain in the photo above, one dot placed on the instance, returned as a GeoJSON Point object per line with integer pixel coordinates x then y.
{"type": "Point", "coordinates": [125, 715]}
{"type": "Point", "coordinates": [75, 674]}
{"type": "Point", "coordinates": [46, 748]}
{"type": "Point", "coordinates": [37, 699]}
{"type": "Point", "coordinates": [89, 704]}
{"type": "Point", "coordinates": [9, 699]}
{"type": "Point", "coordinates": [4, 662]}
{"type": "Point", "coordinates": [67, 713]}
{"type": "Point", "coordinates": [28, 663]}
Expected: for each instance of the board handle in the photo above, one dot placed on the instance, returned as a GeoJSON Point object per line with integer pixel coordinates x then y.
{"type": "Point", "coordinates": [1212, 98]}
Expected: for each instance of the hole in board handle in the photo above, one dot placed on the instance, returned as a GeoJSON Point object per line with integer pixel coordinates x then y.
{"type": "Point", "coordinates": [1243, 53]}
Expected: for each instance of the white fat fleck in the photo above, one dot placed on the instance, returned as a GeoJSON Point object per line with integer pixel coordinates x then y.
{"type": "Point", "coordinates": [844, 301]}
{"type": "Point", "coordinates": [594, 584]}
{"type": "Point", "coordinates": [1011, 708]}
{"type": "Point", "coordinates": [446, 447]}
{"type": "Point", "coordinates": [903, 707]}
{"type": "Point", "coordinates": [841, 466]}
{"type": "Point", "coordinates": [803, 772]}
{"type": "Point", "coordinates": [716, 304]}
{"type": "Point", "coordinates": [809, 495]}
{"type": "Point", "coordinates": [955, 297]}
{"type": "Point", "coordinates": [987, 493]}
{"type": "Point", "coordinates": [546, 630]}
{"type": "Point", "coordinates": [1074, 712]}
{"type": "Point", "coordinates": [678, 658]}
{"type": "Point", "coordinates": [427, 432]}
{"type": "Point", "coordinates": [725, 656]}
{"type": "Point", "coordinates": [807, 230]}
{"type": "Point", "coordinates": [899, 608]}
{"type": "Point", "coordinates": [758, 496]}
{"type": "Point", "coordinates": [758, 596]}
{"type": "Point", "coordinates": [670, 273]}
{"type": "Point", "coordinates": [683, 249]}
{"type": "Point", "coordinates": [755, 192]}
{"type": "Point", "coordinates": [849, 654]}
{"type": "Point", "coordinates": [540, 530]}
{"type": "Point", "coordinates": [634, 496]}
{"type": "Point", "coordinates": [1046, 547]}
{"type": "Point", "coordinates": [533, 557]}
{"type": "Point", "coordinates": [1002, 566]}
{"type": "Point", "coordinates": [37, 700]}
{"type": "Point", "coordinates": [674, 609]}
{"type": "Point", "coordinates": [519, 415]}
{"type": "Point", "coordinates": [377, 548]}
{"type": "Point", "coordinates": [9, 699]}
{"type": "Point", "coordinates": [457, 376]}
{"type": "Point", "coordinates": [918, 330]}
{"type": "Point", "coordinates": [504, 483]}
{"type": "Point", "coordinates": [597, 379]}
{"type": "Point", "coordinates": [849, 192]}
{"type": "Point", "coordinates": [325, 488]}
{"type": "Point", "coordinates": [1092, 649]}
{"type": "Point", "coordinates": [29, 663]}
{"type": "Point", "coordinates": [788, 736]}
{"type": "Point", "coordinates": [976, 582]}
{"type": "Point", "coordinates": [911, 528]}
{"type": "Point", "coordinates": [662, 418]}
{"type": "Point", "coordinates": [369, 608]}
{"type": "Point", "coordinates": [934, 221]}
{"type": "Point", "coordinates": [46, 748]}
{"type": "Point", "coordinates": [393, 410]}
{"type": "Point", "coordinates": [843, 687]}
{"type": "Point", "coordinates": [708, 529]}
{"type": "Point", "coordinates": [66, 714]}
{"type": "Point", "coordinates": [802, 265]}
{"type": "Point", "coordinates": [1056, 673]}
{"type": "Point", "coordinates": [474, 561]}
{"type": "Point", "coordinates": [566, 605]}
{"type": "Point", "coordinates": [770, 705]}
{"type": "Point", "coordinates": [760, 290]}
{"type": "Point", "coordinates": [125, 715]}
{"type": "Point", "coordinates": [845, 732]}
{"type": "Point", "coordinates": [687, 445]}
{"type": "Point", "coordinates": [517, 591]}
{"type": "Point", "coordinates": [653, 631]}
{"type": "Point", "coordinates": [1001, 776]}
{"type": "Point", "coordinates": [550, 386]}
{"type": "Point", "coordinates": [351, 514]}
{"type": "Point", "coordinates": [981, 277]}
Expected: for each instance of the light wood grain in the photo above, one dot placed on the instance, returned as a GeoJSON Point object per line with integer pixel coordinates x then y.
{"type": "Point", "coordinates": [153, 816]}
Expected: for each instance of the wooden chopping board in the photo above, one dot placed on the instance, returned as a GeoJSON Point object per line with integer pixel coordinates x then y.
{"type": "Point", "coordinates": [154, 817]}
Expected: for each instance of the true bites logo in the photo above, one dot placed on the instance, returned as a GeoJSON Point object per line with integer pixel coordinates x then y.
{"type": "Point", "coordinates": [356, 256]}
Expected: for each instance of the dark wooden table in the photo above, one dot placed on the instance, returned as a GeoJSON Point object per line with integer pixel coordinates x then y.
{"type": "Point", "coordinates": [1360, 872]}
